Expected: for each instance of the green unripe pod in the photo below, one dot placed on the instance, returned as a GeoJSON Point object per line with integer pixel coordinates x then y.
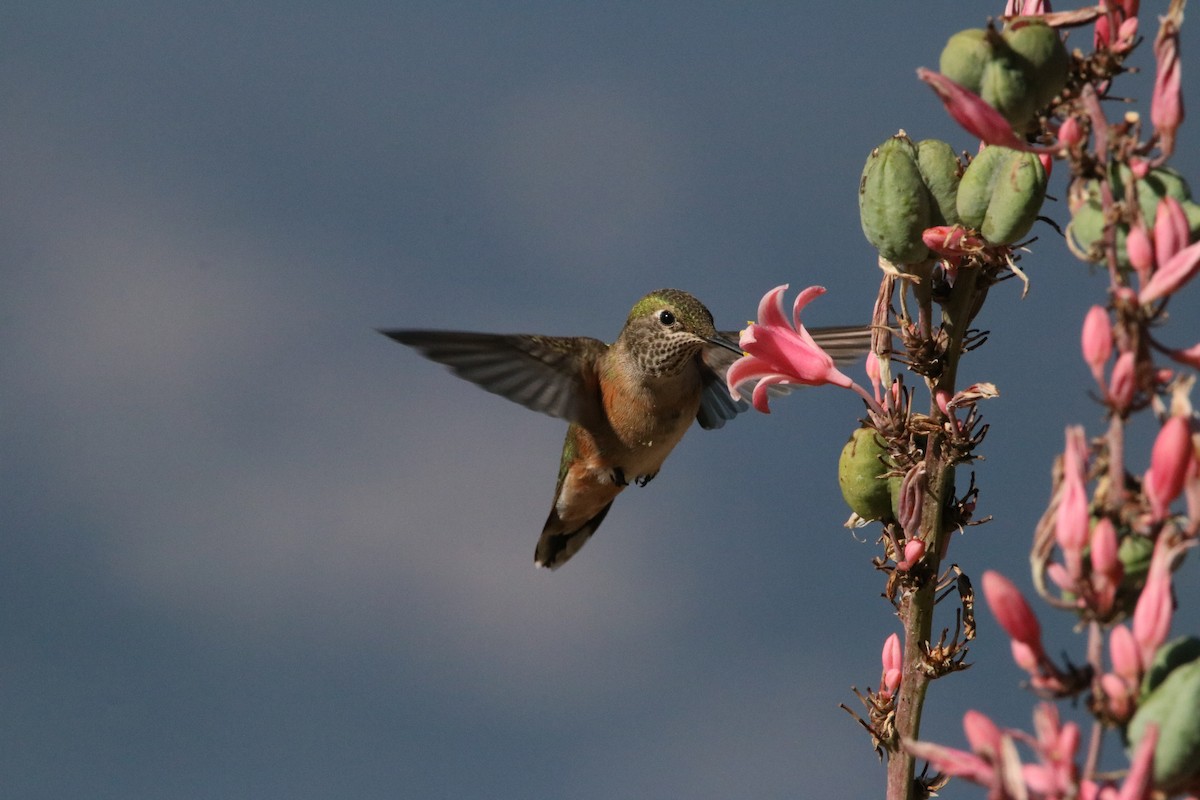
{"type": "Point", "coordinates": [941, 172]}
{"type": "Point", "coordinates": [1175, 653]}
{"type": "Point", "coordinates": [1172, 708]}
{"type": "Point", "coordinates": [860, 471]}
{"type": "Point", "coordinates": [1046, 58]}
{"type": "Point", "coordinates": [1007, 87]}
{"type": "Point", "coordinates": [965, 55]}
{"type": "Point", "coordinates": [893, 202]}
{"type": "Point", "coordinates": [1086, 228]}
{"type": "Point", "coordinates": [1001, 193]}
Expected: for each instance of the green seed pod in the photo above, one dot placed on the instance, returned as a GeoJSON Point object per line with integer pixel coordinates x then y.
{"type": "Point", "coordinates": [1134, 552]}
{"type": "Point", "coordinates": [964, 57]}
{"type": "Point", "coordinates": [941, 171]}
{"type": "Point", "coordinates": [1086, 229]}
{"type": "Point", "coordinates": [893, 202]}
{"type": "Point", "coordinates": [1174, 653]}
{"type": "Point", "coordinates": [1007, 87]}
{"type": "Point", "coordinates": [860, 471]}
{"type": "Point", "coordinates": [1172, 707]}
{"type": "Point", "coordinates": [1046, 58]}
{"type": "Point", "coordinates": [1001, 193]}
{"type": "Point", "coordinates": [1192, 210]}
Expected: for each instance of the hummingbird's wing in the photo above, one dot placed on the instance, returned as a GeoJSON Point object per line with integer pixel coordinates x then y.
{"type": "Point", "coordinates": [552, 374]}
{"type": "Point", "coordinates": [845, 345]}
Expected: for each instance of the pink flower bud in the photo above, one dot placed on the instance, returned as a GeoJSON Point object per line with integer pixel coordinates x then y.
{"type": "Point", "coordinates": [1104, 551]}
{"type": "Point", "coordinates": [893, 666]}
{"type": "Point", "coordinates": [1166, 103]}
{"type": "Point", "coordinates": [1138, 783]}
{"type": "Point", "coordinates": [1125, 655]}
{"type": "Point", "coordinates": [1123, 382]}
{"type": "Point", "coordinates": [1152, 614]}
{"type": "Point", "coordinates": [1189, 356]}
{"type": "Point", "coordinates": [1071, 522]}
{"type": "Point", "coordinates": [1172, 274]}
{"type": "Point", "coordinates": [1117, 695]}
{"type": "Point", "coordinates": [1171, 232]}
{"type": "Point", "coordinates": [1097, 341]}
{"type": "Point", "coordinates": [913, 550]}
{"type": "Point", "coordinates": [1140, 167]}
{"type": "Point", "coordinates": [1011, 610]}
{"type": "Point", "coordinates": [1070, 133]}
{"type": "Point", "coordinates": [1141, 251]}
{"type": "Point", "coordinates": [1170, 458]}
{"type": "Point", "coordinates": [975, 116]}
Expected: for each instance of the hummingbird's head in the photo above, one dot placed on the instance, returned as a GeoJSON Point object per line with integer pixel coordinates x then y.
{"type": "Point", "coordinates": [666, 329]}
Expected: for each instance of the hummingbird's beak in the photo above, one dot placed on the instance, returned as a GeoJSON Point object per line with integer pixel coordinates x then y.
{"type": "Point", "coordinates": [720, 341]}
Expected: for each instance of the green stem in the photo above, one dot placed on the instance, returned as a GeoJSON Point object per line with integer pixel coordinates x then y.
{"type": "Point", "coordinates": [916, 607]}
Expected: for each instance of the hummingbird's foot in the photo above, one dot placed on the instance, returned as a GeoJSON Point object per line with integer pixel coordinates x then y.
{"type": "Point", "coordinates": [642, 480]}
{"type": "Point", "coordinates": [618, 477]}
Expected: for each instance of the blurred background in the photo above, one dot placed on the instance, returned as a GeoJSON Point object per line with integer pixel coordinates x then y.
{"type": "Point", "coordinates": [254, 549]}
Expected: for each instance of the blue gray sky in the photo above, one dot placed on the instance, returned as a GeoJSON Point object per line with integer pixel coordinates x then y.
{"type": "Point", "coordinates": [254, 549]}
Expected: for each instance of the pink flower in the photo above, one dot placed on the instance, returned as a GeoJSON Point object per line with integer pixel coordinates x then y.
{"type": "Point", "coordinates": [1172, 274]}
{"type": "Point", "coordinates": [1138, 783]}
{"type": "Point", "coordinates": [1166, 104]}
{"type": "Point", "coordinates": [975, 116]}
{"type": "Point", "coordinates": [1170, 458]}
{"type": "Point", "coordinates": [1011, 610]}
{"type": "Point", "coordinates": [779, 353]}
{"type": "Point", "coordinates": [1107, 569]}
{"type": "Point", "coordinates": [1140, 250]}
{"type": "Point", "coordinates": [1124, 654]}
{"type": "Point", "coordinates": [1097, 341]}
{"type": "Point", "coordinates": [1152, 614]}
{"type": "Point", "coordinates": [1071, 522]}
{"type": "Point", "coordinates": [1189, 356]}
{"type": "Point", "coordinates": [1171, 232]}
{"type": "Point", "coordinates": [1070, 133]}
{"type": "Point", "coordinates": [893, 666]}
{"type": "Point", "coordinates": [1122, 382]}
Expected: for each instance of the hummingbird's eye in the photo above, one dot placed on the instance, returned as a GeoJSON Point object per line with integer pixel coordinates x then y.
{"type": "Point", "coordinates": [666, 318]}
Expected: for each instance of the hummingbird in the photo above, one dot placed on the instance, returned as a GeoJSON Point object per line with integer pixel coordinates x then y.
{"type": "Point", "coordinates": [628, 403]}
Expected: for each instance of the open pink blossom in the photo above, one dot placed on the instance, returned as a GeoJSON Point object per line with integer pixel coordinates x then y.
{"type": "Point", "coordinates": [781, 353]}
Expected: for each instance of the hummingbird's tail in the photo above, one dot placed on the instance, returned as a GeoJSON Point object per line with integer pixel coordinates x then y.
{"type": "Point", "coordinates": [558, 545]}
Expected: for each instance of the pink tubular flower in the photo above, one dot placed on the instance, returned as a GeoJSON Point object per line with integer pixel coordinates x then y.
{"type": "Point", "coordinates": [1152, 614]}
{"type": "Point", "coordinates": [1189, 356]}
{"type": "Point", "coordinates": [1011, 610]}
{"type": "Point", "coordinates": [1138, 783]}
{"type": "Point", "coordinates": [781, 353]}
{"type": "Point", "coordinates": [1122, 382]}
{"type": "Point", "coordinates": [1071, 522]}
{"type": "Point", "coordinates": [1166, 104]}
{"type": "Point", "coordinates": [1172, 274]}
{"type": "Point", "coordinates": [975, 116]}
{"type": "Point", "coordinates": [1170, 459]}
{"type": "Point", "coordinates": [1097, 341]}
{"type": "Point", "coordinates": [1141, 251]}
{"type": "Point", "coordinates": [1171, 231]}
{"type": "Point", "coordinates": [1107, 570]}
